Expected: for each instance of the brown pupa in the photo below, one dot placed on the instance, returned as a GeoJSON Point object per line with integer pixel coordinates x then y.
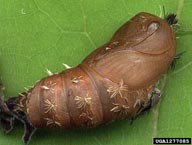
{"type": "Point", "coordinates": [116, 81]}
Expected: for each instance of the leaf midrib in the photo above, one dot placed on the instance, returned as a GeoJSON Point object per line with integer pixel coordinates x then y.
{"type": "Point", "coordinates": [155, 110]}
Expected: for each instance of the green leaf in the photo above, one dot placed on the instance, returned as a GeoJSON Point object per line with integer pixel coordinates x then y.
{"type": "Point", "coordinates": [36, 35]}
